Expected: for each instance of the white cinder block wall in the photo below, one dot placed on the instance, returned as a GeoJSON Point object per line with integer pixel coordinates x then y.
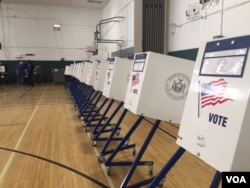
{"type": "Point", "coordinates": [124, 30]}
{"type": "Point", "coordinates": [222, 17]}
{"type": "Point", "coordinates": [29, 29]}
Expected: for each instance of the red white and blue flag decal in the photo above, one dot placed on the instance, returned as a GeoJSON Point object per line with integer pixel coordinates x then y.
{"type": "Point", "coordinates": [108, 75]}
{"type": "Point", "coordinates": [213, 93]}
{"type": "Point", "coordinates": [135, 79]}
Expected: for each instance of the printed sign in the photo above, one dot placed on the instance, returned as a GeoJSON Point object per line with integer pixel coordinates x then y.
{"type": "Point", "coordinates": [215, 122]}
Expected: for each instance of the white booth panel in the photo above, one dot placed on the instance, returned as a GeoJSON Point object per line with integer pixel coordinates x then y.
{"type": "Point", "coordinates": [158, 86]}
{"type": "Point", "coordinates": [79, 67]}
{"type": "Point", "coordinates": [71, 69]}
{"type": "Point", "coordinates": [67, 70]}
{"type": "Point", "coordinates": [84, 72]}
{"type": "Point", "coordinates": [91, 73]}
{"type": "Point", "coordinates": [101, 71]}
{"type": "Point", "coordinates": [215, 123]}
{"type": "Point", "coordinates": [117, 75]}
{"type": "Point", "coordinates": [75, 70]}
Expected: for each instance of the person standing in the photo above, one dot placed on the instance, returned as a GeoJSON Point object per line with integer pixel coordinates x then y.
{"type": "Point", "coordinates": [20, 73]}
{"type": "Point", "coordinates": [30, 67]}
{"type": "Point", "coordinates": [37, 73]}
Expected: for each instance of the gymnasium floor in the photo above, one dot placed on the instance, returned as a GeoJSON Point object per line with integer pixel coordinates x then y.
{"type": "Point", "coordinates": [43, 144]}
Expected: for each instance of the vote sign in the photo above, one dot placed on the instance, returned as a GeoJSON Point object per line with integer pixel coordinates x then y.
{"type": "Point", "coordinates": [215, 122]}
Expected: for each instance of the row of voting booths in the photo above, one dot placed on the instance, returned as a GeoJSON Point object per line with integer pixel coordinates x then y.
{"type": "Point", "coordinates": [201, 96]}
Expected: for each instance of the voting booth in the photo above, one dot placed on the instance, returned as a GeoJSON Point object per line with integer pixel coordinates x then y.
{"type": "Point", "coordinates": [92, 65]}
{"type": "Point", "coordinates": [115, 86]}
{"type": "Point", "coordinates": [67, 75]}
{"type": "Point", "coordinates": [101, 70]}
{"type": "Point", "coordinates": [76, 70]}
{"type": "Point", "coordinates": [70, 70]}
{"type": "Point", "coordinates": [83, 72]}
{"type": "Point", "coordinates": [215, 123]}
{"type": "Point", "coordinates": [116, 81]}
{"type": "Point", "coordinates": [158, 86]}
{"type": "Point", "coordinates": [67, 70]}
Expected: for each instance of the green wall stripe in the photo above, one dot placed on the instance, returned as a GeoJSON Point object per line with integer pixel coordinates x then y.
{"type": "Point", "coordinates": [189, 54]}
{"type": "Point", "coordinates": [46, 69]}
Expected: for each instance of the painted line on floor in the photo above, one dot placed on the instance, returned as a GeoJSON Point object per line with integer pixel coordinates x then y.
{"type": "Point", "coordinates": [25, 92]}
{"type": "Point", "coordinates": [58, 164]}
{"type": "Point", "coordinates": [104, 169]}
{"type": "Point", "coordinates": [8, 163]}
{"type": "Point", "coordinates": [12, 124]}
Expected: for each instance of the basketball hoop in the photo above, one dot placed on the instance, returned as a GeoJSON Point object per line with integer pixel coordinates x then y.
{"type": "Point", "coordinates": [90, 54]}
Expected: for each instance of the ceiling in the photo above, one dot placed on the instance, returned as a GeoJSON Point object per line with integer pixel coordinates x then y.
{"type": "Point", "coordinates": [66, 3]}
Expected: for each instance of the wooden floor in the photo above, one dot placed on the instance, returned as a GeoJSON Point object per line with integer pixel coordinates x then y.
{"type": "Point", "coordinates": [43, 144]}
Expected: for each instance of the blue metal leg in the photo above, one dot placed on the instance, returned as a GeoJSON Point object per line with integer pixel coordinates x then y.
{"type": "Point", "coordinates": [93, 109]}
{"type": "Point", "coordinates": [88, 102]}
{"type": "Point", "coordinates": [107, 123]}
{"type": "Point", "coordinates": [79, 94]}
{"type": "Point", "coordinates": [161, 175]}
{"type": "Point", "coordinates": [216, 180]}
{"type": "Point", "coordinates": [108, 162]}
{"type": "Point", "coordinates": [140, 154]}
{"type": "Point", "coordinates": [85, 99]}
{"type": "Point", "coordinates": [102, 118]}
{"type": "Point", "coordinates": [88, 124]}
{"type": "Point", "coordinates": [110, 138]}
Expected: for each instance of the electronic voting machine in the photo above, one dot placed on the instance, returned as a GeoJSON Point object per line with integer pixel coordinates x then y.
{"type": "Point", "coordinates": [215, 123]}
{"type": "Point", "coordinates": [158, 86]}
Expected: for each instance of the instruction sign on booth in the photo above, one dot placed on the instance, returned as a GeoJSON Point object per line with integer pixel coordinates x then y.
{"type": "Point", "coordinates": [215, 122]}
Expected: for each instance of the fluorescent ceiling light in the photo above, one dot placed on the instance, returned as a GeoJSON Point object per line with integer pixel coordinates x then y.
{"type": "Point", "coordinates": [95, 1]}
{"type": "Point", "coordinates": [56, 27]}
